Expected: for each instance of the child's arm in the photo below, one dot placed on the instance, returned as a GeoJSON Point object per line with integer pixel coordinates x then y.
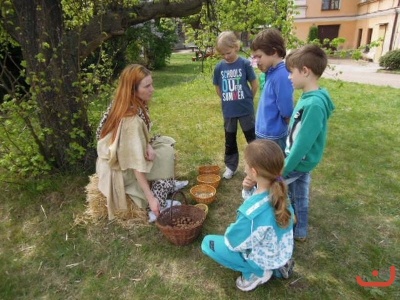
{"type": "Point", "coordinates": [249, 186]}
{"type": "Point", "coordinates": [237, 234]}
{"type": "Point", "coordinates": [216, 80]}
{"type": "Point", "coordinates": [242, 236]}
{"type": "Point", "coordinates": [251, 77]}
{"type": "Point", "coordinates": [218, 90]}
{"type": "Point", "coordinates": [254, 86]}
{"type": "Point", "coordinates": [284, 92]}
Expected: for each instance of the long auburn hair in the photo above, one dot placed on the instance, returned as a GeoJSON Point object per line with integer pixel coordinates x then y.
{"type": "Point", "coordinates": [126, 102]}
{"type": "Point", "coordinates": [267, 158]}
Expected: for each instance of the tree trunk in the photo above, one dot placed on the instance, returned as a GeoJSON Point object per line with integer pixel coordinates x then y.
{"type": "Point", "coordinates": [53, 55]}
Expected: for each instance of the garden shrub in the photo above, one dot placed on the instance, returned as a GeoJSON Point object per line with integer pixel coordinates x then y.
{"type": "Point", "coordinates": [312, 33]}
{"type": "Point", "coordinates": [151, 43]}
{"type": "Point", "coordinates": [391, 60]}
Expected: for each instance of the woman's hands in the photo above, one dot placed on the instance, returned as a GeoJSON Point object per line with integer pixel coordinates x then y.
{"type": "Point", "coordinates": [150, 153]}
{"type": "Point", "coordinates": [154, 205]}
{"type": "Point", "coordinates": [144, 184]}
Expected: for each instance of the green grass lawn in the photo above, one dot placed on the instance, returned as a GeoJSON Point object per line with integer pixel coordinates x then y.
{"type": "Point", "coordinates": [354, 211]}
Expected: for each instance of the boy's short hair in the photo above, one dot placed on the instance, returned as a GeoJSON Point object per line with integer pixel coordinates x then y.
{"type": "Point", "coordinates": [310, 56]}
{"type": "Point", "coordinates": [269, 41]}
{"type": "Point", "coordinates": [227, 39]}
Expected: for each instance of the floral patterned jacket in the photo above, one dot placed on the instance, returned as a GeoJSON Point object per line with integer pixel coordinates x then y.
{"type": "Point", "coordinates": [257, 235]}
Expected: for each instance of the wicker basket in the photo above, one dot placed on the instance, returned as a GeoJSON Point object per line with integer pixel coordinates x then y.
{"type": "Point", "coordinates": [181, 236]}
{"type": "Point", "coordinates": [210, 179]}
{"type": "Point", "coordinates": [203, 193]}
{"type": "Point", "coordinates": [203, 207]}
{"type": "Point", "coordinates": [209, 169]}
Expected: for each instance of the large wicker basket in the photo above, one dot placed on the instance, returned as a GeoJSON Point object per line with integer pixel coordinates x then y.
{"type": "Point", "coordinates": [203, 193]}
{"type": "Point", "coordinates": [181, 236]}
{"type": "Point", "coordinates": [209, 169]}
{"type": "Point", "coordinates": [211, 179]}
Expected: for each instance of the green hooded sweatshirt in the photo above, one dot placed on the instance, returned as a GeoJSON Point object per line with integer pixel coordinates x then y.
{"type": "Point", "coordinates": [307, 131]}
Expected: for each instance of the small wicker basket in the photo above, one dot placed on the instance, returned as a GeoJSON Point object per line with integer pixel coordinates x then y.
{"type": "Point", "coordinates": [181, 236]}
{"type": "Point", "coordinates": [203, 193]}
{"type": "Point", "coordinates": [211, 179]}
{"type": "Point", "coordinates": [209, 169]}
{"type": "Point", "coordinates": [203, 207]}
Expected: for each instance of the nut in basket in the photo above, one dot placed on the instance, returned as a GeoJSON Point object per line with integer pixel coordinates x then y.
{"type": "Point", "coordinates": [211, 179]}
{"type": "Point", "coordinates": [203, 193]}
{"type": "Point", "coordinates": [181, 224]}
{"type": "Point", "coordinates": [209, 169]}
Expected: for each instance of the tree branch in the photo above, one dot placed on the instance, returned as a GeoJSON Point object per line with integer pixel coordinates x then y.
{"type": "Point", "coordinates": [115, 23]}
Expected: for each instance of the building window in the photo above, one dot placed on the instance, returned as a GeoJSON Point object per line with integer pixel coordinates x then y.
{"type": "Point", "coordinates": [330, 4]}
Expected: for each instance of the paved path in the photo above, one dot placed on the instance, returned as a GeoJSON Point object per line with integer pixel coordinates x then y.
{"type": "Point", "coordinates": [361, 72]}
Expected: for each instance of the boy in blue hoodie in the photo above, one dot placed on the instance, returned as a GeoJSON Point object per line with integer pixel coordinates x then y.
{"type": "Point", "coordinates": [307, 129]}
{"type": "Point", "coordinates": [276, 101]}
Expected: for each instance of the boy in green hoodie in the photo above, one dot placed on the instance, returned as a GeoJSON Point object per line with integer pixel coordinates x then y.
{"type": "Point", "coordinates": [307, 129]}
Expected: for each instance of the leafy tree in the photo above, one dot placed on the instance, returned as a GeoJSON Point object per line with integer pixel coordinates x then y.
{"type": "Point", "coordinates": [50, 120]}
{"type": "Point", "coordinates": [247, 17]}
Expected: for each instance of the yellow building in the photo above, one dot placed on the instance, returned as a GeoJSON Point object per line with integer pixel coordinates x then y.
{"type": "Point", "coordinates": [359, 22]}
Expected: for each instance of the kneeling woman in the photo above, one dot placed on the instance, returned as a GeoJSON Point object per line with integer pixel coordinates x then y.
{"type": "Point", "coordinates": [129, 161]}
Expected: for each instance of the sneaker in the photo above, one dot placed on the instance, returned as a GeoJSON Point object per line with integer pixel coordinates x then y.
{"type": "Point", "coordinates": [228, 173]}
{"type": "Point", "coordinates": [287, 270]}
{"type": "Point", "coordinates": [180, 184]}
{"type": "Point", "coordinates": [253, 282]}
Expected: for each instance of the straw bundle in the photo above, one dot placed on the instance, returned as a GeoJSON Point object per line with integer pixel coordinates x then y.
{"type": "Point", "coordinates": [97, 206]}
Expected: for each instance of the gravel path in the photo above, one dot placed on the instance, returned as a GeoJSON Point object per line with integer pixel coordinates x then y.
{"type": "Point", "coordinates": [361, 72]}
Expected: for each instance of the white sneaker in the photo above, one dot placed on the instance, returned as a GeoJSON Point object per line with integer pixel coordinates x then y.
{"type": "Point", "coordinates": [180, 184]}
{"type": "Point", "coordinates": [253, 282]}
{"type": "Point", "coordinates": [228, 173]}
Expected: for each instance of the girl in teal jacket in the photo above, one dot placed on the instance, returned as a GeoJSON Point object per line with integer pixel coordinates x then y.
{"type": "Point", "coordinates": [261, 239]}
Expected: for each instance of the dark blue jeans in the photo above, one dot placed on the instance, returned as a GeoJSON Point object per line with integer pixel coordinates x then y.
{"type": "Point", "coordinates": [299, 194]}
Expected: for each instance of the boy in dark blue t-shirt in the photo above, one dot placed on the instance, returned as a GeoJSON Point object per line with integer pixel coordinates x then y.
{"type": "Point", "coordinates": [231, 78]}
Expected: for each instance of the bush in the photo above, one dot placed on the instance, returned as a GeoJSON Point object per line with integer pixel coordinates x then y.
{"type": "Point", "coordinates": [151, 43]}
{"type": "Point", "coordinates": [390, 60]}
{"type": "Point", "coordinates": [312, 33]}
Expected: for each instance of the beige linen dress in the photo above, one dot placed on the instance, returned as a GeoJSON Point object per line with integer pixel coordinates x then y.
{"type": "Point", "coordinates": [116, 162]}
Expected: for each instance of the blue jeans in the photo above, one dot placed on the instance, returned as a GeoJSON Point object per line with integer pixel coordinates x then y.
{"type": "Point", "coordinates": [299, 194]}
